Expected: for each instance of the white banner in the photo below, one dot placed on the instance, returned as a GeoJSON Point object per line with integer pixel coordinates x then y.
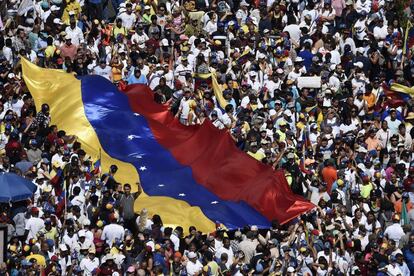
{"type": "Point", "coordinates": [309, 82]}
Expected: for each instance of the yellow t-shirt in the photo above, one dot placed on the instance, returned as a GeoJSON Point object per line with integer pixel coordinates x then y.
{"type": "Point", "coordinates": [50, 51]}
{"type": "Point", "coordinates": [366, 190]}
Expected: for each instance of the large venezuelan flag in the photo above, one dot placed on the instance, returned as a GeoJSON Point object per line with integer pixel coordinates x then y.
{"type": "Point", "coordinates": [190, 175]}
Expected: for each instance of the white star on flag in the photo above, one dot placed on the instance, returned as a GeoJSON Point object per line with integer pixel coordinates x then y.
{"type": "Point", "coordinates": [214, 202]}
{"type": "Point", "coordinates": [161, 185]}
{"type": "Point", "coordinates": [181, 194]}
{"type": "Point", "coordinates": [137, 114]}
{"type": "Point", "coordinates": [142, 168]}
{"type": "Point", "coordinates": [131, 136]}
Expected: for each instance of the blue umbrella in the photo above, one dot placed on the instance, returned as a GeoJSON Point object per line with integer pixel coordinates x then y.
{"type": "Point", "coordinates": [15, 188]}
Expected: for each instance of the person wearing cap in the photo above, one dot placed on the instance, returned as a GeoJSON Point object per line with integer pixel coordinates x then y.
{"type": "Point", "coordinates": [298, 70]}
{"type": "Point", "coordinates": [34, 224]}
{"type": "Point", "coordinates": [68, 49]}
{"type": "Point", "coordinates": [242, 13]}
{"type": "Point", "coordinates": [394, 231]}
{"type": "Point", "coordinates": [89, 263]}
{"type": "Point", "coordinates": [193, 267]}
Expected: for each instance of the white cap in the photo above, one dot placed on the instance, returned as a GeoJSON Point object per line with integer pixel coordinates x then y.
{"type": "Point", "coordinates": [71, 13]}
{"type": "Point", "coordinates": [360, 50]}
{"type": "Point", "coordinates": [165, 42]}
{"type": "Point", "coordinates": [81, 233]}
{"type": "Point", "coordinates": [57, 21]}
{"type": "Point", "coordinates": [67, 37]}
{"type": "Point", "coordinates": [290, 269]}
{"type": "Point", "coordinates": [146, 7]}
{"type": "Point", "coordinates": [54, 8]}
{"type": "Point", "coordinates": [244, 3]}
{"type": "Point", "coordinates": [279, 71]}
{"type": "Point", "coordinates": [272, 112]}
{"type": "Point", "coordinates": [63, 247]}
{"type": "Point", "coordinates": [287, 112]}
{"type": "Point", "coordinates": [254, 228]}
{"type": "Point", "coordinates": [359, 64]}
{"type": "Point", "coordinates": [252, 73]}
{"type": "Point", "coordinates": [11, 75]}
{"type": "Point", "coordinates": [265, 31]}
{"type": "Point", "coordinates": [231, 23]}
{"type": "Point", "coordinates": [120, 51]}
{"type": "Point", "coordinates": [298, 59]}
{"type": "Point", "coordinates": [261, 56]}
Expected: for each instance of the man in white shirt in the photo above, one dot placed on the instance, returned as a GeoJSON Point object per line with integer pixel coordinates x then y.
{"type": "Point", "coordinates": [242, 13]}
{"type": "Point", "coordinates": [194, 267]}
{"type": "Point", "coordinates": [74, 32]}
{"type": "Point", "coordinates": [140, 37]}
{"type": "Point", "coordinates": [128, 18]}
{"type": "Point", "coordinates": [103, 70]}
{"type": "Point", "coordinates": [113, 231]}
{"type": "Point", "coordinates": [226, 249]}
{"type": "Point", "coordinates": [394, 231]}
{"type": "Point", "coordinates": [380, 31]}
{"type": "Point", "coordinates": [393, 122]}
{"type": "Point", "coordinates": [34, 225]}
{"type": "Point", "coordinates": [90, 263]}
{"type": "Point", "coordinates": [182, 69]}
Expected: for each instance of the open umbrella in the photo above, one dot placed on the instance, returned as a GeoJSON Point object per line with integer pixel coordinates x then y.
{"type": "Point", "coordinates": [15, 188]}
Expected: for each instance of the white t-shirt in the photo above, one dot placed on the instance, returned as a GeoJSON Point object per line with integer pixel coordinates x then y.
{"type": "Point", "coordinates": [105, 72]}
{"type": "Point", "coordinates": [112, 232]}
{"type": "Point", "coordinates": [128, 20]}
{"type": "Point", "coordinates": [34, 225]}
{"type": "Point", "coordinates": [88, 265]}
{"type": "Point", "coordinates": [193, 268]}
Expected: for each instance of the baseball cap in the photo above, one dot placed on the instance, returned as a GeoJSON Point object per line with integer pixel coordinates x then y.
{"type": "Point", "coordinates": [192, 255]}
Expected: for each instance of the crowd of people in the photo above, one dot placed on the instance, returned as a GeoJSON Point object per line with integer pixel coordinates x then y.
{"type": "Point", "coordinates": [303, 86]}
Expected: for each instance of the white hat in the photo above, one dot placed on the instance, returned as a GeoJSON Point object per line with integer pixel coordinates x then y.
{"type": "Point", "coordinates": [362, 150]}
{"type": "Point", "coordinates": [231, 23]}
{"type": "Point", "coordinates": [57, 21]}
{"type": "Point", "coordinates": [252, 74]}
{"type": "Point", "coordinates": [272, 112]}
{"type": "Point", "coordinates": [81, 233]}
{"type": "Point", "coordinates": [120, 51]}
{"type": "Point", "coordinates": [287, 112]}
{"type": "Point", "coordinates": [298, 59]}
{"type": "Point", "coordinates": [254, 228]}
{"type": "Point", "coordinates": [71, 13]}
{"type": "Point", "coordinates": [360, 50]}
{"type": "Point", "coordinates": [165, 42]}
{"type": "Point", "coordinates": [63, 247]}
{"type": "Point", "coordinates": [146, 7]}
{"type": "Point", "coordinates": [11, 75]}
{"type": "Point", "coordinates": [290, 269]}
{"type": "Point", "coordinates": [67, 37]}
{"type": "Point", "coordinates": [359, 64]}
{"type": "Point", "coordinates": [54, 8]}
{"type": "Point", "coordinates": [261, 56]}
{"type": "Point", "coordinates": [265, 31]}
{"type": "Point", "coordinates": [192, 255]}
{"type": "Point", "coordinates": [279, 71]}
{"type": "Point", "coordinates": [244, 3]}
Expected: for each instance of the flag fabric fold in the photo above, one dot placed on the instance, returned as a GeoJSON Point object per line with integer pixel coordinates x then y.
{"type": "Point", "coordinates": [198, 165]}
